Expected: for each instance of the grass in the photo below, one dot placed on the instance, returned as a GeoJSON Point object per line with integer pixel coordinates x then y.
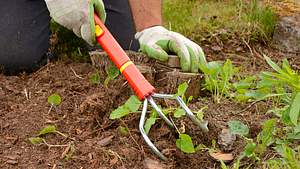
{"type": "Point", "coordinates": [199, 18]}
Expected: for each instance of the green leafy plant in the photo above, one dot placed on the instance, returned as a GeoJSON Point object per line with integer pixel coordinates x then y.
{"type": "Point", "coordinates": [218, 78]}
{"type": "Point", "coordinates": [54, 100]}
{"type": "Point", "coordinates": [132, 105]}
{"type": "Point", "coordinates": [50, 129]}
{"type": "Point", "coordinates": [185, 143]}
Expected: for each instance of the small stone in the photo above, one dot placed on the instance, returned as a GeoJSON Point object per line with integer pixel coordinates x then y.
{"type": "Point", "coordinates": [239, 49]}
{"type": "Point", "coordinates": [12, 162]}
{"type": "Point", "coordinates": [287, 34]}
{"type": "Point", "coordinates": [226, 140]}
{"type": "Point", "coordinates": [216, 48]}
{"type": "Point", "coordinates": [12, 157]}
{"type": "Point", "coordinates": [152, 164]}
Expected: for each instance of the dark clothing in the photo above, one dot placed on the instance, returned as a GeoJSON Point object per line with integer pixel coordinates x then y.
{"type": "Point", "coordinates": [25, 32]}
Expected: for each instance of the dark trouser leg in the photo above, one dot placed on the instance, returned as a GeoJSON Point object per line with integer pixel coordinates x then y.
{"type": "Point", "coordinates": [120, 23]}
{"type": "Point", "coordinates": [24, 34]}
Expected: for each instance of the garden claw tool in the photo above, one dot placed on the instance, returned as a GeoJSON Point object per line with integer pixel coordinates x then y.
{"type": "Point", "coordinates": [142, 88]}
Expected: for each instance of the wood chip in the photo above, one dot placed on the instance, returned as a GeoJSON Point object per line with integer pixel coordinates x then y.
{"type": "Point", "coordinates": [218, 156]}
{"type": "Point", "coordinates": [106, 141]}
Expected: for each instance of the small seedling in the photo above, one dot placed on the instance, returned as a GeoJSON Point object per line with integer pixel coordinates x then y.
{"type": "Point", "coordinates": [132, 105]}
{"type": "Point", "coordinates": [46, 130]}
{"type": "Point", "coordinates": [185, 143]}
{"type": "Point", "coordinates": [112, 73]}
{"type": "Point", "coordinates": [54, 100]}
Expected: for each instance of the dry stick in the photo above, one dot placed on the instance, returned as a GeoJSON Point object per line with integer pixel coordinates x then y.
{"type": "Point", "coordinates": [50, 109]}
{"type": "Point", "coordinates": [76, 73]}
{"type": "Point", "coordinates": [50, 145]}
{"type": "Point", "coordinates": [248, 107]}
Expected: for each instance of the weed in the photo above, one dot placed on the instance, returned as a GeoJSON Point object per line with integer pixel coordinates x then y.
{"type": "Point", "coordinates": [218, 78]}
{"type": "Point", "coordinates": [50, 129]}
{"type": "Point", "coordinates": [54, 100]}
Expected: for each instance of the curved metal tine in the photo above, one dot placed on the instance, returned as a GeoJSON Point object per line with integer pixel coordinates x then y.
{"type": "Point", "coordinates": [142, 130]}
{"type": "Point", "coordinates": [160, 113]}
{"type": "Point", "coordinates": [163, 96]}
{"type": "Point", "coordinates": [190, 114]}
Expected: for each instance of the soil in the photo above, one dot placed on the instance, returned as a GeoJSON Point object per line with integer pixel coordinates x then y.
{"type": "Point", "coordinates": [84, 116]}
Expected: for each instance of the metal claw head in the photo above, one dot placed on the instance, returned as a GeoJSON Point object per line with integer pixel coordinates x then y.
{"type": "Point", "coordinates": [201, 124]}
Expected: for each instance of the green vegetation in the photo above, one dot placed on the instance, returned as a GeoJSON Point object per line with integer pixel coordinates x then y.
{"type": "Point", "coordinates": [200, 19]}
{"type": "Point", "coordinates": [132, 105]}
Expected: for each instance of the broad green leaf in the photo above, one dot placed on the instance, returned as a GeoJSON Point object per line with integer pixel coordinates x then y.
{"type": "Point", "coordinates": [182, 89]}
{"type": "Point", "coordinates": [119, 113]}
{"type": "Point", "coordinates": [227, 70]}
{"type": "Point", "coordinates": [47, 130]}
{"type": "Point", "coordinates": [295, 109]}
{"type": "Point", "coordinates": [273, 64]}
{"type": "Point", "coordinates": [287, 68]}
{"type": "Point", "coordinates": [237, 127]}
{"type": "Point", "coordinates": [179, 113]}
{"type": "Point", "coordinates": [95, 78]}
{"type": "Point", "coordinates": [149, 123]}
{"type": "Point", "coordinates": [245, 83]}
{"type": "Point", "coordinates": [133, 104]}
{"type": "Point", "coordinates": [266, 135]}
{"type": "Point", "coordinates": [54, 99]}
{"type": "Point", "coordinates": [185, 143]}
{"type": "Point", "coordinates": [249, 149]}
{"type": "Point", "coordinates": [35, 140]}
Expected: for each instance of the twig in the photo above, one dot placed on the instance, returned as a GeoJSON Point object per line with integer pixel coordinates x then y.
{"type": "Point", "coordinates": [50, 145]}
{"type": "Point", "coordinates": [248, 47]}
{"type": "Point", "coordinates": [248, 107]}
{"type": "Point", "coordinates": [65, 151]}
{"type": "Point", "coordinates": [175, 125]}
{"type": "Point", "coordinates": [50, 109]}
{"type": "Point", "coordinates": [76, 73]}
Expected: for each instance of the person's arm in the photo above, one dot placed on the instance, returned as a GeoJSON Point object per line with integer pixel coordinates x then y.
{"type": "Point", "coordinates": [146, 13]}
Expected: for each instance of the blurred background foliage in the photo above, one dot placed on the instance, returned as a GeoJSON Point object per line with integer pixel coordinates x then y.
{"type": "Point", "coordinates": [253, 21]}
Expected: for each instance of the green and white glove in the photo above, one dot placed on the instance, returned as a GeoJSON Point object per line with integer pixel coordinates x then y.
{"type": "Point", "coordinates": [78, 16]}
{"type": "Point", "coordinates": [157, 42]}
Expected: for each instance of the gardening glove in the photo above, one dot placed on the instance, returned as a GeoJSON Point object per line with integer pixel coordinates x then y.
{"type": "Point", "coordinates": [78, 16]}
{"type": "Point", "coordinates": [157, 42]}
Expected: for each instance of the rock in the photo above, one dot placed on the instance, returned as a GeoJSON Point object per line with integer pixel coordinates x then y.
{"type": "Point", "coordinates": [226, 140]}
{"type": "Point", "coordinates": [287, 34]}
{"type": "Point", "coordinates": [152, 164]}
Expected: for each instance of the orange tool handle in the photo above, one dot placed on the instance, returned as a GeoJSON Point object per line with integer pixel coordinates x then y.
{"type": "Point", "coordinates": [117, 55]}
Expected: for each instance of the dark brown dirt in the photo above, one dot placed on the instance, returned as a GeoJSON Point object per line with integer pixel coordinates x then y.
{"type": "Point", "coordinates": [83, 116]}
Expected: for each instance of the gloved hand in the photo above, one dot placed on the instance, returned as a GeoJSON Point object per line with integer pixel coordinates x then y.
{"type": "Point", "coordinates": [77, 15]}
{"type": "Point", "coordinates": [157, 42]}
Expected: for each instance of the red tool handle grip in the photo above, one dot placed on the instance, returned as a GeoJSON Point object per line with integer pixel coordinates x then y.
{"type": "Point", "coordinates": [117, 55]}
